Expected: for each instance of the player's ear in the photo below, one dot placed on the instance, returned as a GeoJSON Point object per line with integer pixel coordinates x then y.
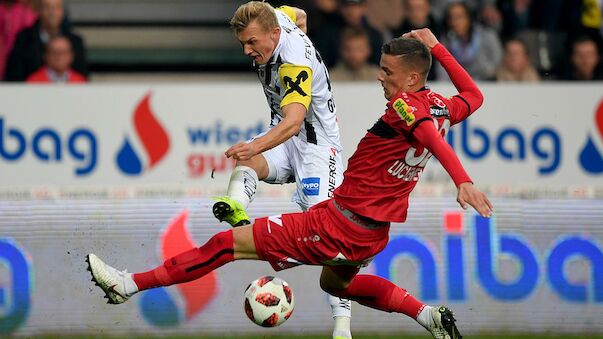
{"type": "Point", "coordinates": [275, 33]}
{"type": "Point", "coordinates": [413, 78]}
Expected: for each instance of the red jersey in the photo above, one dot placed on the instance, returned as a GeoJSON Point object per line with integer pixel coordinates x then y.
{"type": "Point", "coordinates": [391, 157]}
{"type": "Point", "coordinates": [42, 76]}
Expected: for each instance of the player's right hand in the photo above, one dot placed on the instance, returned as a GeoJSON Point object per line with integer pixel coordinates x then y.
{"type": "Point", "coordinates": [242, 151]}
{"type": "Point", "coordinates": [424, 35]}
{"type": "Point", "coordinates": [469, 195]}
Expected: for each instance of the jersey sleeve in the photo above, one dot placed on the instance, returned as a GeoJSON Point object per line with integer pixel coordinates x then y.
{"type": "Point", "coordinates": [470, 97]}
{"type": "Point", "coordinates": [297, 84]}
{"type": "Point", "coordinates": [428, 136]}
{"type": "Point", "coordinates": [405, 112]}
{"type": "Point", "coordinates": [289, 11]}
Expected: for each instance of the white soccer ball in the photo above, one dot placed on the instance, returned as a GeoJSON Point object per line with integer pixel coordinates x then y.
{"type": "Point", "coordinates": [268, 301]}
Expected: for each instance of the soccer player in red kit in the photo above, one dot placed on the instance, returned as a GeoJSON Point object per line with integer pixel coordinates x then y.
{"type": "Point", "coordinates": [346, 232]}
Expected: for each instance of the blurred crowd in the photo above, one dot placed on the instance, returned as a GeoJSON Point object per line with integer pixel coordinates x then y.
{"type": "Point", "coordinates": [498, 40]}
{"type": "Point", "coordinates": [37, 43]}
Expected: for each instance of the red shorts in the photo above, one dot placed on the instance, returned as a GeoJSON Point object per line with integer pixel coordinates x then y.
{"type": "Point", "coordinates": [326, 234]}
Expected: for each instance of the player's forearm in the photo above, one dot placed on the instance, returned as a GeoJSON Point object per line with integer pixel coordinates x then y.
{"type": "Point", "coordinates": [279, 134]}
{"type": "Point", "coordinates": [460, 78]}
{"type": "Point", "coordinates": [428, 136]}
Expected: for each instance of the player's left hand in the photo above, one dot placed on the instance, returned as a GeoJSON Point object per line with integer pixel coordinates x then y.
{"type": "Point", "coordinates": [469, 195]}
{"type": "Point", "coordinates": [242, 151]}
{"type": "Point", "coordinates": [424, 35]}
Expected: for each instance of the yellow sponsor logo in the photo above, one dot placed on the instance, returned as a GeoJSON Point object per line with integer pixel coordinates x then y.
{"type": "Point", "coordinates": [297, 83]}
{"type": "Point", "coordinates": [404, 111]}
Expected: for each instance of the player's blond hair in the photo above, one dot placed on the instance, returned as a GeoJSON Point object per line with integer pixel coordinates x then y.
{"type": "Point", "coordinates": [258, 11]}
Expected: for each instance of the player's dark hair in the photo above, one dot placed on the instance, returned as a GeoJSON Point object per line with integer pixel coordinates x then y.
{"type": "Point", "coordinates": [411, 52]}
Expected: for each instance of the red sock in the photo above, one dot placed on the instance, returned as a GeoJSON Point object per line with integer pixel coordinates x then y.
{"type": "Point", "coordinates": [381, 294]}
{"type": "Point", "coordinates": [190, 265]}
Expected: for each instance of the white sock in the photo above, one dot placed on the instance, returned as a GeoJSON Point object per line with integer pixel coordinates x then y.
{"type": "Point", "coordinates": [342, 313]}
{"type": "Point", "coordinates": [243, 185]}
{"type": "Point", "coordinates": [424, 317]}
{"type": "Point", "coordinates": [129, 285]}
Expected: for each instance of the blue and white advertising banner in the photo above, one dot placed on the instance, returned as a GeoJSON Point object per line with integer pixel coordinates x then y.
{"type": "Point", "coordinates": [116, 137]}
{"type": "Point", "coordinates": [536, 267]}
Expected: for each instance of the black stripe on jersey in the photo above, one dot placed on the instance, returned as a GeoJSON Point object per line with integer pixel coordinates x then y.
{"type": "Point", "coordinates": [310, 132]}
{"type": "Point", "coordinates": [412, 129]}
{"type": "Point", "coordinates": [382, 129]}
{"type": "Point", "coordinates": [466, 103]}
{"type": "Point", "coordinates": [268, 74]}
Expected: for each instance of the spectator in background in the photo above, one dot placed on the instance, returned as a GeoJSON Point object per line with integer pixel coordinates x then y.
{"type": "Point", "coordinates": [585, 61]}
{"type": "Point", "coordinates": [487, 11]}
{"type": "Point", "coordinates": [15, 16]}
{"type": "Point", "coordinates": [517, 16]}
{"type": "Point", "coordinates": [582, 18]}
{"type": "Point", "coordinates": [27, 55]}
{"type": "Point", "coordinates": [355, 53]}
{"type": "Point", "coordinates": [385, 16]}
{"type": "Point", "coordinates": [354, 15]}
{"type": "Point", "coordinates": [59, 57]}
{"type": "Point", "coordinates": [324, 27]}
{"type": "Point", "coordinates": [477, 48]}
{"type": "Point", "coordinates": [417, 16]}
{"type": "Point", "coordinates": [516, 64]}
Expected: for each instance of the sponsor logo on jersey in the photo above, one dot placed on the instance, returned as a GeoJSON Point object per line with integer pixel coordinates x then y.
{"type": "Point", "coordinates": [296, 85]}
{"type": "Point", "coordinates": [404, 111]}
{"type": "Point", "coordinates": [439, 111]}
{"type": "Point", "coordinates": [311, 186]}
{"type": "Point", "coordinates": [332, 174]}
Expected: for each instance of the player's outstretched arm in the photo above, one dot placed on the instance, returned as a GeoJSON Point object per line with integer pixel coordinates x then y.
{"type": "Point", "coordinates": [467, 88]}
{"type": "Point", "coordinates": [428, 136]}
{"type": "Point", "coordinates": [294, 114]}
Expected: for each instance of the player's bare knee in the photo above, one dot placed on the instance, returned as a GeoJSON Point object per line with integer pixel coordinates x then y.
{"type": "Point", "coordinates": [330, 282]}
{"type": "Point", "coordinates": [243, 243]}
{"type": "Point", "coordinates": [258, 163]}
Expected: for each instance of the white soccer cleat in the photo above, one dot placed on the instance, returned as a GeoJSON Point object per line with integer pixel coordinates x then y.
{"type": "Point", "coordinates": [110, 280]}
{"type": "Point", "coordinates": [442, 325]}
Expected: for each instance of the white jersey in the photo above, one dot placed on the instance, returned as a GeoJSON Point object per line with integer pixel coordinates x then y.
{"type": "Point", "coordinates": [296, 73]}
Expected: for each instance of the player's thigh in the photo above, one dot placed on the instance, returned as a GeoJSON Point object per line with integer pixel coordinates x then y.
{"type": "Point", "coordinates": [318, 171]}
{"type": "Point", "coordinates": [243, 243]}
{"type": "Point", "coordinates": [337, 277]}
{"type": "Point", "coordinates": [279, 169]}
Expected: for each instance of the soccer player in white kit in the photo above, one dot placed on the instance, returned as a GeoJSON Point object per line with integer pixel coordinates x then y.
{"type": "Point", "coordinates": [302, 144]}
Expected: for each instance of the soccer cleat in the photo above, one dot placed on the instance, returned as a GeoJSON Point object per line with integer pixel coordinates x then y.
{"type": "Point", "coordinates": [231, 211]}
{"type": "Point", "coordinates": [443, 324]}
{"type": "Point", "coordinates": [110, 280]}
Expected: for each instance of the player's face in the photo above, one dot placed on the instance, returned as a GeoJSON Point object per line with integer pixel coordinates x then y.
{"type": "Point", "coordinates": [258, 43]}
{"type": "Point", "coordinates": [394, 77]}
